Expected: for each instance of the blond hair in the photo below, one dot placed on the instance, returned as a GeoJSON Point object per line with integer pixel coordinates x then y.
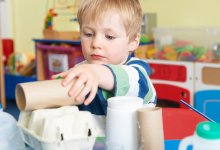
{"type": "Point", "coordinates": [129, 11]}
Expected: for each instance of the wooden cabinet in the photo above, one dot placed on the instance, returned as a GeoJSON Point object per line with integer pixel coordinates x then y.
{"type": "Point", "coordinates": [2, 84]}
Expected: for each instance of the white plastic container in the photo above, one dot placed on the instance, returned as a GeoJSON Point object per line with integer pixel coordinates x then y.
{"type": "Point", "coordinates": [188, 44]}
{"type": "Point", "coordinates": [206, 137]}
{"type": "Point", "coordinates": [10, 137]}
{"type": "Point", "coordinates": [121, 123]}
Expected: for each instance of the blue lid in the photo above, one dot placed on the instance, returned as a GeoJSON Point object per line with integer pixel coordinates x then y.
{"type": "Point", "coordinates": [0, 106]}
{"type": "Point", "coordinates": [208, 130]}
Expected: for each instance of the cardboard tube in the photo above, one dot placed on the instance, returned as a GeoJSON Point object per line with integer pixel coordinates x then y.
{"type": "Point", "coordinates": [151, 128]}
{"type": "Point", "coordinates": [43, 94]}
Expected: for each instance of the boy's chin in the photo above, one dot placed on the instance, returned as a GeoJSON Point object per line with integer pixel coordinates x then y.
{"type": "Point", "coordinates": [97, 62]}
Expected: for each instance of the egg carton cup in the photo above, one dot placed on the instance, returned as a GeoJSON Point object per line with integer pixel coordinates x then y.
{"type": "Point", "coordinates": [39, 144]}
{"type": "Point", "coordinates": [63, 128]}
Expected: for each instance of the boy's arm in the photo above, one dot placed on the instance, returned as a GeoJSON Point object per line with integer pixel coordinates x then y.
{"type": "Point", "coordinates": [131, 80]}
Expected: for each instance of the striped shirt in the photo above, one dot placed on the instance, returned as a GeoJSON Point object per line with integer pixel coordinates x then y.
{"type": "Point", "coordinates": [130, 79]}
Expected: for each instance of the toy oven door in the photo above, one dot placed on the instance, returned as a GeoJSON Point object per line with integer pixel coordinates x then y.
{"type": "Point", "coordinates": [172, 81]}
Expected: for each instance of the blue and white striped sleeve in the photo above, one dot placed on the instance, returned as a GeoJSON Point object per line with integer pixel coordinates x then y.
{"type": "Point", "coordinates": [132, 79]}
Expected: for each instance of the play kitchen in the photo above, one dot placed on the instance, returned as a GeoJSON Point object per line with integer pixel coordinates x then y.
{"type": "Point", "coordinates": [129, 125]}
{"type": "Point", "coordinates": [187, 63]}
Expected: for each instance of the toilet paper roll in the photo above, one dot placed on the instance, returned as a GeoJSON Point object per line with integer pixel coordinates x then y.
{"type": "Point", "coordinates": [43, 94]}
{"type": "Point", "coordinates": [151, 128]}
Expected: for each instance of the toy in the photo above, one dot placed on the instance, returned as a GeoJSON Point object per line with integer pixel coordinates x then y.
{"type": "Point", "coordinates": [8, 48]}
{"type": "Point", "coordinates": [49, 19]}
{"type": "Point", "coordinates": [172, 81]}
{"type": "Point", "coordinates": [201, 73]}
{"type": "Point", "coordinates": [65, 12]}
{"type": "Point", "coordinates": [207, 89]}
{"type": "Point", "coordinates": [169, 53]}
{"type": "Point", "coordinates": [186, 56]}
{"type": "Point", "coordinates": [145, 39]}
{"type": "Point", "coordinates": [18, 61]}
{"type": "Point", "coordinates": [61, 21]}
{"type": "Point", "coordinates": [151, 53]}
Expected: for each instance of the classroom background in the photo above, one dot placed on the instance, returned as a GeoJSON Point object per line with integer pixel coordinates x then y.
{"type": "Point", "coordinates": [180, 41]}
{"type": "Point", "coordinates": [23, 21]}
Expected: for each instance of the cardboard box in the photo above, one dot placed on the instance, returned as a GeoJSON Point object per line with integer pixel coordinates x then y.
{"type": "Point", "coordinates": [61, 35]}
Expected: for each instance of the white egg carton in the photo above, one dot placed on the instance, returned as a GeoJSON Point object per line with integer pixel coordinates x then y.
{"type": "Point", "coordinates": [64, 128]}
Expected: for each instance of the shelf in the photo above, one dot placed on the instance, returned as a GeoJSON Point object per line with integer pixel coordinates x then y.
{"type": "Point", "coordinates": [72, 42]}
{"type": "Point", "coordinates": [54, 56]}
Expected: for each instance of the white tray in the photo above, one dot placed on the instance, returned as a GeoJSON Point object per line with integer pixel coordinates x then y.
{"type": "Point", "coordinates": [63, 128]}
{"type": "Point", "coordinates": [37, 144]}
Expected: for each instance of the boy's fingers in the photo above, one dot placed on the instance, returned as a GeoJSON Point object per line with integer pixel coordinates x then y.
{"type": "Point", "coordinates": [87, 88]}
{"type": "Point", "coordinates": [75, 93]}
{"type": "Point", "coordinates": [54, 76]}
{"type": "Point", "coordinates": [77, 85]}
{"type": "Point", "coordinates": [70, 76]}
{"type": "Point", "coordinates": [62, 75]}
{"type": "Point", "coordinates": [91, 95]}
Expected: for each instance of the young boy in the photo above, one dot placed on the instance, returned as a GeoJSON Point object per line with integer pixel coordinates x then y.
{"type": "Point", "coordinates": [110, 32]}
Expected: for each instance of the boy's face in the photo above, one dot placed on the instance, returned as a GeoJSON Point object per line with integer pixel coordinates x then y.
{"type": "Point", "coordinates": [106, 41]}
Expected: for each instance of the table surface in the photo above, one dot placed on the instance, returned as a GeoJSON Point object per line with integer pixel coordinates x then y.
{"type": "Point", "coordinates": [169, 145]}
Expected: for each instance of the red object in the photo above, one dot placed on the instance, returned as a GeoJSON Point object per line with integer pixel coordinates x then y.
{"type": "Point", "coordinates": [179, 122]}
{"type": "Point", "coordinates": [169, 93]}
{"type": "Point", "coordinates": [172, 93]}
{"type": "Point", "coordinates": [168, 72]}
{"type": "Point", "coordinates": [73, 54]}
{"type": "Point", "coordinates": [8, 48]}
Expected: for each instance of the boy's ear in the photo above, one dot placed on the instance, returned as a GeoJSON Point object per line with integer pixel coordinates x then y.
{"type": "Point", "coordinates": [134, 43]}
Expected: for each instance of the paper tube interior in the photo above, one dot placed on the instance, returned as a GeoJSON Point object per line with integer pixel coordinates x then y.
{"type": "Point", "coordinates": [151, 128]}
{"type": "Point", "coordinates": [43, 94]}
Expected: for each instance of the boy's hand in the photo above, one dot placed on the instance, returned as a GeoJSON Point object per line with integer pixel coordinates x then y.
{"type": "Point", "coordinates": [84, 80]}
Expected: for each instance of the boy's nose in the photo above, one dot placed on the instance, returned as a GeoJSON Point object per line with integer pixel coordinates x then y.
{"type": "Point", "coordinates": [96, 42]}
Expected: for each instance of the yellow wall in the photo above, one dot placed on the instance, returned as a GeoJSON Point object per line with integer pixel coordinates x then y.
{"type": "Point", "coordinates": [178, 13]}
{"type": "Point", "coordinates": [29, 17]}
{"type": "Point", "coordinates": [28, 23]}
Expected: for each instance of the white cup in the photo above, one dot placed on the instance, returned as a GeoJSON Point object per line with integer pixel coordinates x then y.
{"type": "Point", "coordinates": [121, 123]}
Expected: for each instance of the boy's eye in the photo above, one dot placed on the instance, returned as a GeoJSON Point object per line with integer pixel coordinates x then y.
{"type": "Point", "coordinates": [110, 37]}
{"type": "Point", "coordinates": [88, 34]}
